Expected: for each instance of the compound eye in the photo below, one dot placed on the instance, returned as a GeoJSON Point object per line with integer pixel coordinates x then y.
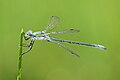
{"type": "Point", "coordinates": [29, 33]}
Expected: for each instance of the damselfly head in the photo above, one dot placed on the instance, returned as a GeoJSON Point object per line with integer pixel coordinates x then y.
{"type": "Point", "coordinates": [28, 34]}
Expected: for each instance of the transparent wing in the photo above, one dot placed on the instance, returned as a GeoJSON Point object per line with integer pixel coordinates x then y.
{"type": "Point", "coordinates": [53, 22]}
{"type": "Point", "coordinates": [66, 48]}
{"type": "Point", "coordinates": [65, 31]}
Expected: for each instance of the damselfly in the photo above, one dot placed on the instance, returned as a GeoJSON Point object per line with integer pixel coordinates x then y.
{"type": "Point", "coordinates": [44, 35]}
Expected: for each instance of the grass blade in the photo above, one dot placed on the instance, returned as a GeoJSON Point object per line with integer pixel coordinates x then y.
{"type": "Point", "coordinates": [19, 75]}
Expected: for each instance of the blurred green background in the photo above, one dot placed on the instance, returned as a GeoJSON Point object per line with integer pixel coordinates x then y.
{"type": "Point", "coordinates": [98, 22]}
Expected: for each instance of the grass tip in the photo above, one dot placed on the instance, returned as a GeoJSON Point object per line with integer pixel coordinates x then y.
{"type": "Point", "coordinates": [22, 30]}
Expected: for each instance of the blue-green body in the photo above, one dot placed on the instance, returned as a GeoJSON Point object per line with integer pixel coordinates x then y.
{"type": "Point", "coordinates": [36, 33]}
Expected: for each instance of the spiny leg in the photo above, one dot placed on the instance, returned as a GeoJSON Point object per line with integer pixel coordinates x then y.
{"type": "Point", "coordinates": [66, 48]}
{"type": "Point", "coordinates": [24, 45]}
{"type": "Point", "coordinates": [30, 47]}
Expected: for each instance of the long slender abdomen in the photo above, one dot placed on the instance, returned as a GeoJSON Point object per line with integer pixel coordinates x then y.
{"type": "Point", "coordinates": [81, 43]}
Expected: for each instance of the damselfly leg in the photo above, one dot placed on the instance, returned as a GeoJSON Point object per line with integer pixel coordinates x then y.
{"type": "Point", "coordinates": [30, 45]}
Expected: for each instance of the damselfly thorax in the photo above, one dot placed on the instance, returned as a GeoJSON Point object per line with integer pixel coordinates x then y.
{"type": "Point", "coordinates": [40, 36]}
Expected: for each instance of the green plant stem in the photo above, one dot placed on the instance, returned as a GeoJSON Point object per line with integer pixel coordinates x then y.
{"type": "Point", "coordinates": [19, 75]}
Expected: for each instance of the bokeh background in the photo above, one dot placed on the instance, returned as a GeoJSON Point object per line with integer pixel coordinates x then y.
{"type": "Point", "coordinates": [98, 22]}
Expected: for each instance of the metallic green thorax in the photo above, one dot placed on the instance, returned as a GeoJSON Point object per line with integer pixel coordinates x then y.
{"type": "Point", "coordinates": [36, 33]}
